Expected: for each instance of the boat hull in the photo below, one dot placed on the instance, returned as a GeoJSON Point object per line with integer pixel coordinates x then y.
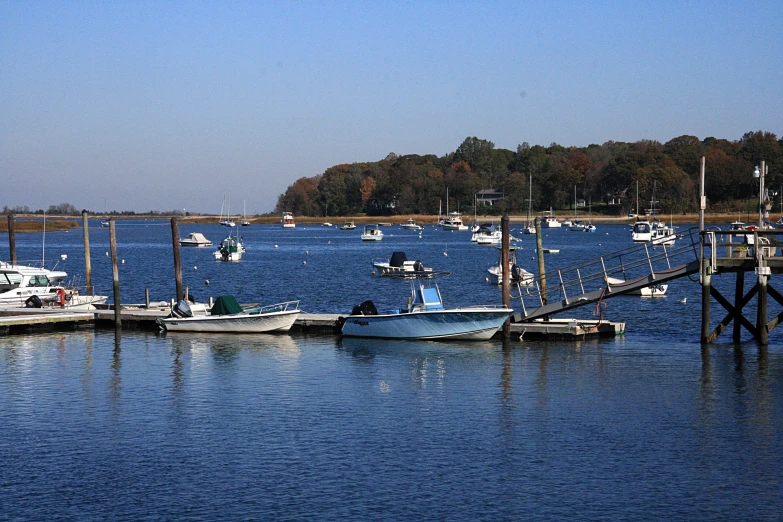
{"type": "Point", "coordinates": [469, 324]}
{"type": "Point", "coordinates": [238, 323]}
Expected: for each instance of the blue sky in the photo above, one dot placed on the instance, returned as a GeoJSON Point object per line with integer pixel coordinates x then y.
{"type": "Point", "coordinates": [164, 105]}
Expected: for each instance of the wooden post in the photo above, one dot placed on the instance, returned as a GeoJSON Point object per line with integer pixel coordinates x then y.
{"type": "Point", "coordinates": [739, 293]}
{"type": "Point", "coordinates": [541, 270]}
{"type": "Point", "coordinates": [506, 271]}
{"type": "Point", "coordinates": [12, 238]}
{"type": "Point", "coordinates": [87, 265]}
{"type": "Point", "coordinates": [761, 311]}
{"type": "Point", "coordinates": [705, 301]}
{"type": "Point", "coordinates": [115, 274]}
{"type": "Point", "coordinates": [761, 268]}
{"type": "Point", "coordinates": [147, 298]}
{"type": "Point", "coordinates": [177, 260]}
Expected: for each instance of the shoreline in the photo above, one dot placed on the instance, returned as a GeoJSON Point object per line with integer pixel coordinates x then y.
{"type": "Point", "coordinates": [32, 223]}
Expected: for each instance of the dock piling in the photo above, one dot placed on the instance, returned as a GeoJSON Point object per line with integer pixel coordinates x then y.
{"type": "Point", "coordinates": [177, 260]}
{"type": "Point", "coordinates": [12, 238]}
{"type": "Point", "coordinates": [87, 265]}
{"type": "Point", "coordinates": [115, 274]}
{"type": "Point", "coordinates": [505, 269]}
{"type": "Point", "coordinates": [541, 269]}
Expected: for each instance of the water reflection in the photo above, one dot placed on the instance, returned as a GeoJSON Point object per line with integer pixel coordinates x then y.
{"type": "Point", "coordinates": [115, 379]}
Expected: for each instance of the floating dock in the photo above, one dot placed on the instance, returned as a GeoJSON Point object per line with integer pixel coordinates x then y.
{"type": "Point", "coordinates": [137, 317]}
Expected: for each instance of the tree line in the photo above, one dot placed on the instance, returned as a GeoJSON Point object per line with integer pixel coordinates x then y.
{"type": "Point", "coordinates": [607, 175]}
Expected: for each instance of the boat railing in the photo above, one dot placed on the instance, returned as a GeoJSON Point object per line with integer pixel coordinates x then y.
{"type": "Point", "coordinates": [643, 260]}
{"type": "Point", "coordinates": [278, 307]}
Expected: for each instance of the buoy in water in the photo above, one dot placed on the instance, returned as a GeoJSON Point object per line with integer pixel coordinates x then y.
{"type": "Point", "coordinates": [206, 282]}
{"type": "Point", "coordinates": [275, 246]}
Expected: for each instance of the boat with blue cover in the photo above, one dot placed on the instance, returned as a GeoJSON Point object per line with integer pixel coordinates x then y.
{"type": "Point", "coordinates": [425, 317]}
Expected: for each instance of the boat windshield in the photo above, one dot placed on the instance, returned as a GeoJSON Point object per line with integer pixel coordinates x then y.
{"type": "Point", "coordinates": [641, 228]}
{"type": "Point", "coordinates": [9, 281]}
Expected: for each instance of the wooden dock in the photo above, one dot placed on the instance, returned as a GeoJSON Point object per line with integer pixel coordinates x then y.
{"type": "Point", "coordinates": [137, 317]}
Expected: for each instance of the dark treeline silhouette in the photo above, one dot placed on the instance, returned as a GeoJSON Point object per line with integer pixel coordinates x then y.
{"type": "Point", "coordinates": [606, 175]}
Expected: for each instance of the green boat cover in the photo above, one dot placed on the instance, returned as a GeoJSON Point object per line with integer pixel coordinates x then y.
{"type": "Point", "coordinates": [226, 305]}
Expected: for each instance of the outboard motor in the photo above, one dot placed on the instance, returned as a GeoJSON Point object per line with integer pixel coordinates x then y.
{"type": "Point", "coordinates": [366, 308]}
{"type": "Point", "coordinates": [418, 266]}
{"type": "Point", "coordinates": [516, 273]}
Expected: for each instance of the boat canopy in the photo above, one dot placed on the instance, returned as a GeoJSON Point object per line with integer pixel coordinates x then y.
{"type": "Point", "coordinates": [429, 297]}
{"type": "Point", "coordinates": [397, 259]}
{"type": "Point", "coordinates": [226, 305]}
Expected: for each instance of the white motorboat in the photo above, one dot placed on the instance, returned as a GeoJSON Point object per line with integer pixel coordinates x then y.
{"type": "Point", "coordinates": [349, 225]}
{"type": "Point", "coordinates": [399, 266]}
{"type": "Point", "coordinates": [425, 318]}
{"type": "Point", "coordinates": [227, 316]}
{"type": "Point", "coordinates": [36, 287]}
{"type": "Point", "coordinates": [641, 232]}
{"type": "Point", "coordinates": [288, 220]}
{"type": "Point", "coordinates": [454, 222]}
{"type": "Point", "coordinates": [195, 239]}
{"type": "Point", "coordinates": [230, 249]}
{"type": "Point", "coordinates": [517, 274]}
{"type": "Point", "coordinates": [326, 224]}
{"type": "Point", "coordinates": [372, 233]}
{"type": "Point", "coordinates": [654, 290]}
{"type": "Point", "coordinates": [411, 225]}
{"type": "Point", "coordinates": [488, 234]}
{"type": "Point", "coordinates": [550, 221]}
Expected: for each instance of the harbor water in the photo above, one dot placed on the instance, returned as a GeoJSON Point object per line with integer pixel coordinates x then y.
{"type": "Point", "coordinates": [143, 425]}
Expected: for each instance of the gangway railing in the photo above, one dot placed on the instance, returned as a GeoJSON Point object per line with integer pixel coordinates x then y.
{"type": "Point", "coordinates": [621, 272]}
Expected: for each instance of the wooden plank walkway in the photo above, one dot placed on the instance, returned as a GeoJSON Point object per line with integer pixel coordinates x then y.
{"type": "Point", "coordinates": [26, 320]}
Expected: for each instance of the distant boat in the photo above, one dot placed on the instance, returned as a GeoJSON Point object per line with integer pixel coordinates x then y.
{"type": "Point", "coordinates": [550, 221]}
{"type": "Point", "coordinates": [372, 233]}
{"type": "Point", "coordinates": [454, 222]}
{"type": "Point", "coordinates": [231, 249]}
{"type": "Point", "coordinates": [245, 222]}
{"type": "Point", "coordinates": [411, 225]}
{"type": "Point", "coordinates": [654, 290]}
{"type": "Point", "coordinates": [288, 220]}
{"type": "Point", "coordinates": [227, 316]}
{"type": "Point", "coordinates": [195, 239]}
{"type": "Point", "coordinates": [425, 318]}
{"type": "Point", "coordinates": [348, 226]}
{"type": "Point", "coordinates": [226, 221]}
{"type": "Point", "coordinates": [517, 274]}
{"type": "Point", "coordinates": [399, 266]}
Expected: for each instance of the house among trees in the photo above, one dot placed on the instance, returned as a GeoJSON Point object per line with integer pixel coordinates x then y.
{"type": "Point", "coordinates": [489, 197]}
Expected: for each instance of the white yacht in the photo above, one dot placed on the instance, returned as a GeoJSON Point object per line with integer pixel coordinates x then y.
{"type": "Point", "coordinates": [34, 287]}
{"type": "Point", "coordinates": [288, 220]}
{"type": "Point", "coordinates": [454, 222]}
{"type": "Point", "coordinates": [349, 225]}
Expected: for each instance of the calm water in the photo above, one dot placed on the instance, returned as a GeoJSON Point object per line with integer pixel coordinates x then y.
{"type": "Point", "coordinates": [204, 427]}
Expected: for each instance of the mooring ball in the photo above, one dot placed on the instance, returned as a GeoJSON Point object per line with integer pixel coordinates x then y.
{"type": "Point", "coordinates": [328, 242]}
{"type": "Point", "coordinates": [123, 261]}
{"type": "Point", "coordinates": [304, 262]}
{"type": "Point", "coordinates": [275, 246]}
{"type": "Point", "coordinates": [195, 268]}
{"type": "Point", "coordinates": [206, 282]}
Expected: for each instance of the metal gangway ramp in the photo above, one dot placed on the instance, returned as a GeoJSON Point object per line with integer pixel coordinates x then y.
{"type": "Point", "coordinates": [617, 273]}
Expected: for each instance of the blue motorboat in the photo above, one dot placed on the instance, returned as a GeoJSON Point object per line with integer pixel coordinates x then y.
{"type": "Point", "coordinates": [425, 318]}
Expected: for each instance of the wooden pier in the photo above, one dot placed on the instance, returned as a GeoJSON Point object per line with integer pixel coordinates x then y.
{"type": "Point", "coordinates": [137, 317]}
